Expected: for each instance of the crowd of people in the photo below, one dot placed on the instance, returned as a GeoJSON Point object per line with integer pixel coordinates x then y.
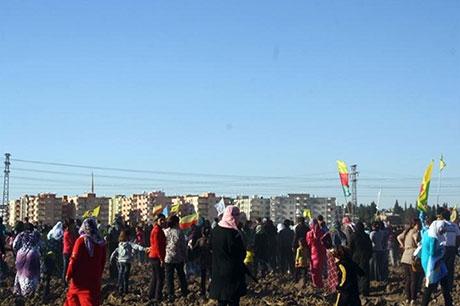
{"type": "Point", "coordinates": [228, 254]}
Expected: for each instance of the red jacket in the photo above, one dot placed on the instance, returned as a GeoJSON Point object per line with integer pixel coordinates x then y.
{"type": "Point", "coordinates": [85, 271]}
{"type": "Point", "coordinates": [157, 243]}
{"type": "Point", "coordinates": [69, 242]}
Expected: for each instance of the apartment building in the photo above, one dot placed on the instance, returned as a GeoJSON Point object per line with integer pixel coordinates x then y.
{"type": "Point", "coordinates": [282, 208]}
{"type": "Point", "coordinates": [115, 207]}
{"type": "Point", "coordinates": [203, 204]}
{"type": "Point", "coordinates": [325, 206]}
{"type": "Point", "coordinates": [89, 201]}
{"type": "Point", "coordinates": [253, 207]}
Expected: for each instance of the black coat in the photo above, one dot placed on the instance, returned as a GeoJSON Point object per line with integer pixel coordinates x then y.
{"type": "Point", "coordinates": [228, 269]}
{"type": "Point", "coordinates": [300, 233]}
{"type": "Point", "coordinates": [361, 249]}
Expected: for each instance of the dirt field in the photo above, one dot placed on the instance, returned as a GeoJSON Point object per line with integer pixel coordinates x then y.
{"type": "Point", "coordinates": [271, 291]}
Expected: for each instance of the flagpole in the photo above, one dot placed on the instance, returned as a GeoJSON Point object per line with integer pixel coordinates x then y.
{"type": "Point", "coordinates": [378, 200]}
{"type": "Point", "coordinates": [439, 186]}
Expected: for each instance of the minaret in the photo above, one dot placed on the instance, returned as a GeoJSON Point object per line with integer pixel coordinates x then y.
{"type": "Point", "coordinates": [92, 182]}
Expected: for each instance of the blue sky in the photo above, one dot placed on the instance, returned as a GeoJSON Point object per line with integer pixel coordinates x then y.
{"type": "Point", "coordinates": [269, 94]}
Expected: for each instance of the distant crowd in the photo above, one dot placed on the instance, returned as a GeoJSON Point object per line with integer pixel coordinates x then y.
{"type": "Point", "coordinates": [227, 254]}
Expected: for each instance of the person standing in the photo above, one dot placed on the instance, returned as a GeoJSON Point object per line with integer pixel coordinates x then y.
{"type": "Point", "coordinates": [317, 252]}
{"type": "Point", "coordinates": [432, 263]}
{"type": "Point", "coordinates": [69, 238]}
{"type": "Point", "coordinates": [175, 257]}
{"type": "Point", "coordinates": [408, 240]}
{"type": "Point", "coordinates": [228, 283]}
{"type": "Point", "coordinates": [86, 265]}
{"type": "Point", "coordinates": [360, 246]}
{"type": "Point", "coordinates": [449, 237]}
{"type": "Point", "coordinates": [285, 236]}
{"type": "Point", "coordinates": [348, 272]}
{"type": "Point", "coordinates": [157, 257]}
{"type": "Point", "coordinates": [203, 249]}
{"type": "Point", "coordinates": [378, 252]}
{"type": "Point", "coordinates": [125, 254]}
{"type": "Point", "coordinates": [28, 246]}
{"type": "Point", "coordinates": [301, 262]}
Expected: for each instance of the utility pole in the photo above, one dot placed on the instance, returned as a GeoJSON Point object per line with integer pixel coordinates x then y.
{"type": "Point", "coordinates": [354, 195]}
{"type": "Point", "coordinates": [6, 188]}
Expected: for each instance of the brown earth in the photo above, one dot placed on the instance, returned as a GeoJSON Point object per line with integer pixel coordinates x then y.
{"type": "Point", "coordinates": [274, 290]}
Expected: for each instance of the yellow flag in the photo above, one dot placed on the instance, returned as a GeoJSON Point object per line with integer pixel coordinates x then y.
{"type": "Point", "coordinates": [453, 215]}
{"type": "Point", "coordinates": [86, 214]}
{"type": "Point", "coordinates": [307, 213]}
{"type": "Point", "coordinates": [442, 164]}
{"type": "Point", "coordinates": [175, 208]}
{"type": "Point", "coordinates": [422, 201]}
{"type": "Point", "coordinates": [96, 211]}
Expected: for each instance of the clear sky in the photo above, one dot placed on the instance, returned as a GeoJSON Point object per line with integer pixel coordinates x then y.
{"type": "Point", "coordinates": [263, 96]}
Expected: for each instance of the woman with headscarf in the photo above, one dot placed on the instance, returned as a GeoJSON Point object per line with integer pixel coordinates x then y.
{"type": "Point", "coordinates": [317, 252]}
{"type": "Point", "coordinates": [360, 246]}
{"type": "Point", "coordinates": [55, 242]}
{"type": "Point", "coordinates": [261, 250]}
{"type": "Point", "coordinates": [431, 259]}
{"type": "Point", "coordinates": [348, 227]}
{"type": "Point", "coordinates": [28, 245]}
{"type": "Point", "coordinates": [228, 283]}
{"type": "Point", "coordinates": [86, 266]}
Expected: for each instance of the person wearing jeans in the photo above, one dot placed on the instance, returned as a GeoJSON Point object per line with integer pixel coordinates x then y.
{"type": "Point", "coordinates": [124, 254]}
{"type": "Point", "coordinates": [175, 256]}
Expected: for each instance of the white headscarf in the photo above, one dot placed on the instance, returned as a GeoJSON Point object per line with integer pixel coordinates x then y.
{"type": "Point", "coordinates": [280, 227]}
{"type": "Point", "coordinates": [56, 232]}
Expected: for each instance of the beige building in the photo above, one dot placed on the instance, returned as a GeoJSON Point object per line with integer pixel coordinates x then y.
{"type": "Point", "coordinates": [44, 207]}
{"type": "Point", "coordinates": [88, 201]}
{"type": "Point", "coordinates": [253, 207]}
{"type": "Point", "coordinates": [203, 204]}
{"type": "Point", "coordinates": [115, 207]}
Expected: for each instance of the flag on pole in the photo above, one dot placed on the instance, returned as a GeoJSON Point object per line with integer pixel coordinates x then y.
{"type": "Point", "coordinates": [220, 207]}
{"type": "Point", "coordinates": [157, 209]}
{"type": "Point", "coordinates": [188, 221]}
{"type": "Point", "coordinates": [96, 211]}
{"type": "Point", "coordinates": [175, 208]}
{"type": "Point", "coordinates": [86, 214]}
{"type": "Point", "coordinates": [422, 201]}
{"type": "Point", "coordinates": [307, 213]}
{"type": "Point", "coordinates": [454, 214]}
{"type": "Point", "coordinates": [442, 164]}
{"type": "Point", "coordinates": [343, 173]}
{"type": "Point", "coordinates": [165, 211]}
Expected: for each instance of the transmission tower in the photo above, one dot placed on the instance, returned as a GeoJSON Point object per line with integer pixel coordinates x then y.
{"type": "Point", "coordinates": [354, 195]}
{"type": "Point", "coordinates": [6, 188]}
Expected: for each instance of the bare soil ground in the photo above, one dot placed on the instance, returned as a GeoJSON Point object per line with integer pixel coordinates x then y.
{"type": "Point", "coordinates": [274, 290]}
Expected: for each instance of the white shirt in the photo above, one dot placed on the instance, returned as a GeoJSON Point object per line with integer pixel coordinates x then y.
{"type": "Point", "coordinates": [446, 232]}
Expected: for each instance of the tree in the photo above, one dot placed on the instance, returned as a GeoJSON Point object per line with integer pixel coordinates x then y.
{"type": "Point", "coordinates": [397, 210]}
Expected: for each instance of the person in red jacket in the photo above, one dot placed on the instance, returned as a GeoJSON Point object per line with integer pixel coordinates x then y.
{"type": "Point", "coordinates": [157, 258]}
{"type": "Point", "coordinates": [86, 266]}
{"type": "Point", "coordinates": [70, 235]}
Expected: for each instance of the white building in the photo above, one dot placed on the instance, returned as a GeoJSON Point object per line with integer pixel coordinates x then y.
{"type": "Point", "coordinates": [253, 207]}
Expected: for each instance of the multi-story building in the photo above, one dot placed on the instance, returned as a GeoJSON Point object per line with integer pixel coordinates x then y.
{"type": "Point", "coordinates": [45, 207]}
{"type": "Point", "coordinates": [318, 206]}
{"type": "Point", "coordinates": [89, 201]}
{"type": "Point", "coordinates": [115, 207]}
{"type": "Point", "coordinates": [203, 204]}
{"type": "Point", "coordinates": [282, 208]}
{"type": "Point", "coordinates": [253, 207]}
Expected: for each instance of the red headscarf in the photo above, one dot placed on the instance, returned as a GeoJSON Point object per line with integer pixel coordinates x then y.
{"type": "Point", "coordinates": [230, 218]}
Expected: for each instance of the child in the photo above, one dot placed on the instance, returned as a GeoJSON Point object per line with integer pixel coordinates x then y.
{"type": "Point", "coordinates": [202, 247]}
{"type": "Point", "coordinates": [348, 271]}
{"type": "Point", "coordinates": [249, 260]}
{"type": "Point", "coordinates": [301, 261]}
{"type": "Point", "coordinates": [124, 253]}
